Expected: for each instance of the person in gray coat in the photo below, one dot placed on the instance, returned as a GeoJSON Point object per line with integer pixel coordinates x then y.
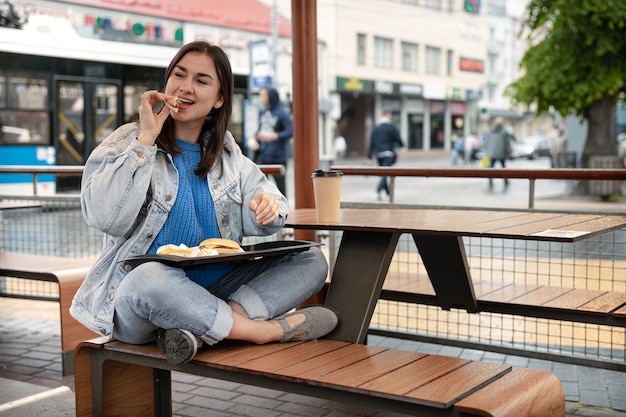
{"type": "Point", "coordinates": [498, 147]}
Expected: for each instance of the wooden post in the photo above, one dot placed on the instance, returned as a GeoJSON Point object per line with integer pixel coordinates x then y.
{"type": "Point", "coordinates": [305, 99]}
{"type": "Point", "coordinates": [305, 110]}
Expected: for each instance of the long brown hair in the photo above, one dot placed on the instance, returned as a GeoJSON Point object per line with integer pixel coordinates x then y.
{"type": "Point", "coordinates": [211, 138]}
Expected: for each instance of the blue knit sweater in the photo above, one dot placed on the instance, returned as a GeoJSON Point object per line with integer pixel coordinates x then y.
{"type": "Point", "coordinates": [192, 218]}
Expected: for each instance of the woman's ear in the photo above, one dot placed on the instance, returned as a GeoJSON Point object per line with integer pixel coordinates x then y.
{"type": "Point", "coordinates": [218, 102]}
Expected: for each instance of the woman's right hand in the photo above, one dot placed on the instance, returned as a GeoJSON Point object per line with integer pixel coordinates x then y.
{"type": "Point", "coordinates": [150, 123]}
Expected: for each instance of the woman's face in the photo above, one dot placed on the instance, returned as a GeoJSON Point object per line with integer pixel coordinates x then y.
{"type": "Point", "coordinates": [194, 80]}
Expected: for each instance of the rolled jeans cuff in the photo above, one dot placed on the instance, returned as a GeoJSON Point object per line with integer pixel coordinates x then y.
{"type": "Point", "coordinates": [251, 303]}
{"type": "Point", "coordinates": [222, 325]}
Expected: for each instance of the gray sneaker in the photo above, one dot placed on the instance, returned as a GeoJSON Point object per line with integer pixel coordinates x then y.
{"type": "Point", "coordinates": [319, 321]}
{"type": "Point", "coordinates": [179, 345]}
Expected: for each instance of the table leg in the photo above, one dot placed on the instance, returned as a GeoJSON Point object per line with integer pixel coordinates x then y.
{"type": "Point", "coordinates": [360, 269]}
{"type": "Point", "coordinates": [446, 263]}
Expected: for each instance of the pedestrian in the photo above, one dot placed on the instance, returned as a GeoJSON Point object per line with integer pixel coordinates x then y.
{"type": "Point", "coordinates": [498, 147]}
{"type": "Point", "coordinates": [269, 143]}
{"type": "Point", "coordinates": [340, 146]}
{"type": "Point", "coordinates": [384, 141]}
{"type": "Point", "coordinates": [177, 176]}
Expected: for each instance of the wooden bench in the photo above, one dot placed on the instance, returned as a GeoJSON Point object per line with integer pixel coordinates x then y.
{"type": "Point", "coordinates": [69, 274]}
{"type": "Point", "coordinates": [115, 378]}
{"type": "Point", "coordinates": [541, 301]}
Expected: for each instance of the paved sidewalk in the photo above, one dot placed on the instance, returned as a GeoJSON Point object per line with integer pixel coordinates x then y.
{"type": "Point", "coordinates": [30, 362]}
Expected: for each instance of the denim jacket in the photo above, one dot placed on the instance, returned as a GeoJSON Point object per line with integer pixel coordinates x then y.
{"type": "Point", "coordinates": [128, 191]}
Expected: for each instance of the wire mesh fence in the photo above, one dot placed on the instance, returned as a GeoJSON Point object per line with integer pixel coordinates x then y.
{"type": "Point", "coordinates": [598, 263]}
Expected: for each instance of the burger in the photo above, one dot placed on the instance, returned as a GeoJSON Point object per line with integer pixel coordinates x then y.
{"type": "Point", "coordinates": [222, 246]}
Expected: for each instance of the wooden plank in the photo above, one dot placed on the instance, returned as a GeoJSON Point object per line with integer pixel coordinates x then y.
{"type": "Point", "coordinates": [485, 287]}
{"type": "Point", "coordinates": [620, 313]}
{"type": "Point", "coordinates": [369, 367]}
{"type": "Point", "coordinates": [409, 282]}
{"type": "Point", "coordinates": [509, 292]}
{"type": "Point", "coordinates": [606, 303]}
{"type": "Point", "coordinates": [285, 355]}
{"type": "Point", "coordinates": [26, 264]}
{"type": "Point", "coordinates": [449, 388]}
{"type": "Point", "coordinates": [541, 296]}
{"type": "Point", "coordinates": [412, 376]}
{"type": "Point", "coordinates": [18, 206]}
{"type": "Point", "coordinates": [521, 393]}
{"type": "Point", "coordinates": [574, 299]}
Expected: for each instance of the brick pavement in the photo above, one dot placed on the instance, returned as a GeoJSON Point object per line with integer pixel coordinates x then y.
{"type": "Point", "coordinates": [30, 352]}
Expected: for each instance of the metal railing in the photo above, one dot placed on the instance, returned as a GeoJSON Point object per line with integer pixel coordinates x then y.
{"type": "Point", "coordinates": [77, 170]}
{"type": "Point", "coordinates": [532, 175]}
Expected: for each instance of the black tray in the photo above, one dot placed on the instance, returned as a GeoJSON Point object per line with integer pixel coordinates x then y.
{"type": "Point", "coordinates": [251, 252]}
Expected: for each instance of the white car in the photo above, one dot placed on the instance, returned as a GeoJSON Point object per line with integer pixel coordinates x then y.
{"type": "Point", "coordinates": [531, 147]}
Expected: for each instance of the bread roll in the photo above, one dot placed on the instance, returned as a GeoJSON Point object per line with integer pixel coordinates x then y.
{"type": "Point", "coordinates": [178, 250]}
{"type": "Point", "coordinates": [184, 251]}
{"type": "Point", "coordinates": [222, 246]}
{"type": "Point", "coordinates": [172, 103]}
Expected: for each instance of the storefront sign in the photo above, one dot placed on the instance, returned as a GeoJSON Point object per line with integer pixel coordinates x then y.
{"type": "Point", "coordinates": [472, 65]}
{"type": "Point", "coordinates": [354, 84]}
{"type": "Point", "coordinates": [411, 89]}
{"type": "Point", "coordinates": [383, 87]}
{"type": "Point", "coordinates": [455, 93]}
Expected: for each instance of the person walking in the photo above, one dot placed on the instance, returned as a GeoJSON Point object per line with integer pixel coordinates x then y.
{"type": "Point", "coordinates": [269, 144]}
{"type": "Point", "coordinates": [498, 147]}
{"type": "Point", "coordinates": [178, 176]}
{"type": "Point", "coordinates": [384, 140]}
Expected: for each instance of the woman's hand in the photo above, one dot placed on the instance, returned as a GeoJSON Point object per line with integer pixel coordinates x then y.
{"type": "Point", "coordinates": [265, 206]}
{"type": "Point", "coordinates": [151, 123]}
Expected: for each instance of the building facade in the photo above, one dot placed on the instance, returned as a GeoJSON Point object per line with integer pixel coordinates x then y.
{"type": "Point", "coordinates": [422, 59]}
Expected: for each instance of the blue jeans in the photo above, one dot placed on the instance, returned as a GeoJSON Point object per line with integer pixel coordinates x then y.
{"type": "Point", "coordinates": [383, 184]}
{"type": "Point", "coordinates": [492, 164]}
{"type": "Point", "coordinates": [155, 295]}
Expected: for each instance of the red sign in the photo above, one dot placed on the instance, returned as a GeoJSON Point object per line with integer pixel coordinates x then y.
{"type": "Point", "coordinates": [474, 65]}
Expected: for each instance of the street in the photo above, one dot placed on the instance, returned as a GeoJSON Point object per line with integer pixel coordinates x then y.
{"type": "Point", "coordinates": [468, 192]}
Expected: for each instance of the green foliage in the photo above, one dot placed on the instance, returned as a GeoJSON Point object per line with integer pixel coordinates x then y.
{"type": "Point", "coordinates": [577, 55]}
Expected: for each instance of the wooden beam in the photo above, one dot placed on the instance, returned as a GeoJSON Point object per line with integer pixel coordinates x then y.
{"type": "Point", "coordinates": [305, 104]}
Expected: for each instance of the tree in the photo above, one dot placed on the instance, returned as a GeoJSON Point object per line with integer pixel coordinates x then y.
{"type": "Point", "coordinates": [576, 63]}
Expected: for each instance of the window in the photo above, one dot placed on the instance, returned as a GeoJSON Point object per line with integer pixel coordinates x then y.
{"type": "Point", "coordinates": [409, 56]}
{"type": "Point", "coordinates": [383, 52]}
{"type": "Point", "coordinates": [432, 60]}
{"type": "Point", "coordinates": [25, 92]}
{"type": "Point", "coordinates": [449, 64]}
{"type": "Point", "coordinates": [432, 4]}
{"type": "Point", "coordinates": [360, 49]}
{"type": "Point", "coordinates": [23, 110]}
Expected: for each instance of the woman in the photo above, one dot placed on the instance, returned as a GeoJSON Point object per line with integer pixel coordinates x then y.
{"type": "Point", "coordinates": [178, 176]}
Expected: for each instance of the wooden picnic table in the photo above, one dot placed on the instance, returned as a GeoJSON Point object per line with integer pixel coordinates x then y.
{"type": "Point", "coordinates": [370, 237]}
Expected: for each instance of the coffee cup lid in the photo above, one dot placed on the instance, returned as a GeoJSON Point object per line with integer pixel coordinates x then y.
{"type": "Point", "coordinates": [322, 173]}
